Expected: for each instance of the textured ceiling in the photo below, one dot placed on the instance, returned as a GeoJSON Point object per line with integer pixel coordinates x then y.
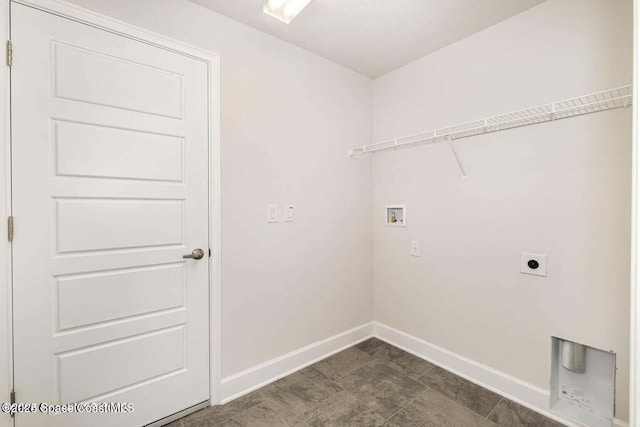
{"type": "Point", "coordinates": [374, 37]}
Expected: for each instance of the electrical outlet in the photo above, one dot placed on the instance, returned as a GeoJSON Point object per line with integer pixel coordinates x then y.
{"type": "Point", "coordinates": [289, 213]}
{"type": "Point", "coordinates": [415, 248]}
{"type": "Point", "coordinates": [272, 213]}
{"type": "Point", "coordinates": [535, 264]}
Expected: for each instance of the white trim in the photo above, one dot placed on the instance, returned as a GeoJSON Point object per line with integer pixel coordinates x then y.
{"type": "Point", "coordinates": [215, 232]}
{"type": "Point", "coordinates": [106, 23]}
{"type": "Point", "coordinates": [6, 353]}
{"type": "Point", "coordinates": [620, 423]}
{"type": "Point", "coordinates": [634, 306]}
{"type": "Point", "coordinates": [510, 387]}
{"type": "Point", "coordinates": [244, 382]}
{"type": "Point", "coordinates": [212, 60]}
{"type": "Point", "coordinates": [528, 395]}
{"type": "Point", "coordinates": [171, 418]}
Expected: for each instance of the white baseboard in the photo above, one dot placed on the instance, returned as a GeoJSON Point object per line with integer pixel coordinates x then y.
{"type": "Point", "coordinates": [244, 382]}
{"type": "Point", "coordinates": [510, 387]}
{"type": "Point", "coordinates": [519, 391]}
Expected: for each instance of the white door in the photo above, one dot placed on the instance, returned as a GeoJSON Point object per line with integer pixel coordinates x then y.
{"type": "Point", "coordinates": [110, 172]}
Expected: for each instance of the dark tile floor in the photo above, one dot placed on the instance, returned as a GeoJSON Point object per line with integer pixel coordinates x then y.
{"type": "Point", "coordinates": [371, 384]}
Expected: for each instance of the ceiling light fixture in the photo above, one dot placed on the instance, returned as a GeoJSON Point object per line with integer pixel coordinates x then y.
{"type": "Point", "coordinates": [285, 10]}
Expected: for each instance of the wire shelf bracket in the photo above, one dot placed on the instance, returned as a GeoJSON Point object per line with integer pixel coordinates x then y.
{"type": "Point", "coordinates": [620, 97]}
{"type": "Point", "coordinates": [455, 154]}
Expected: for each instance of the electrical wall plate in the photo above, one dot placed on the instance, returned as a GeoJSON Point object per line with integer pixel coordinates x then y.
{"type": "Point", "coordinates": [415, 248]}
{"type": "Point", "coordinates": [272, 213]}
{"type": "Point", "coordinates": [535, 264]}
{"type": "Point", "coordinates": [289, 214]}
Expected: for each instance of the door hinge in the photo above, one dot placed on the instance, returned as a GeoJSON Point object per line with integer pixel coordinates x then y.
{"type": "Point", "coordinates": [10, 228]}
{"type": "Point", "coordinates": [9, 53]}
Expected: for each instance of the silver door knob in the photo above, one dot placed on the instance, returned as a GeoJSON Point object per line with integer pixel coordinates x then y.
{"type": "Point", "coordinates": [195, 254]}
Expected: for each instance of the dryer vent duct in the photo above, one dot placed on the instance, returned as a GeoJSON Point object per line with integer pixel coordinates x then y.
{"type": "Point", "coordinates": [574, 356]}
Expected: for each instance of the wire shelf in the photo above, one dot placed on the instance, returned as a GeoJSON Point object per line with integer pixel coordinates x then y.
{"type": "Point", "coordinates": [586, 104]}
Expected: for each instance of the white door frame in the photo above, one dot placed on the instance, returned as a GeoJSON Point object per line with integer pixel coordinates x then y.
{"type": "Point", "coordinates": [212, 60]}
{"type": "Point", "coordinates": [634, 359]}
{"type": "Point", "coordinates": [6, 357]}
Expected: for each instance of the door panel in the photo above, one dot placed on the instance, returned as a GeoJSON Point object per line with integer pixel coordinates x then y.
{"type": "Point", "coordinates": [125, 85]}
{"type": "Point", "coordinates": [91, 299]}
{"type": "Point", "coordinates": [120, 363]}
{"type": "Point", "coordinates": [110, 172]}
{"type": "Point", "coordinates": [96, 151]}
{"type": "Point", "coordinates": [131, 223]}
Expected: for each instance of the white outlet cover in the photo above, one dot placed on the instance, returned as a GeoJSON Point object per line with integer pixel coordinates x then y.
{"type": "Point", "coordinates": [415, 248]}
{"type": "Point", "coordinates": [289, 214]}
{"type": "Point", "coordinates": [272, 213]}
{"type": "Point", "coordinates": [539, 258]}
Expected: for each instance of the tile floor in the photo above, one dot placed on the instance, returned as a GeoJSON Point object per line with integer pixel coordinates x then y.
{"type": "Point", "coordinates": [371, 384]}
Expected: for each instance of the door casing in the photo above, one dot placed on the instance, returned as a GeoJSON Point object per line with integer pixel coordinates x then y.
{"type": "Point", "coordinates": [213, 64]}
{"type": "Point", "coordinates": [6, 347]}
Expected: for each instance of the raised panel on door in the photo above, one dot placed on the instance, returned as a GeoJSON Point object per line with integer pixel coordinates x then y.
{"type": "Point", "coordinates": [126, 84]}
{"type": "Point", "coordinates": [91, 151]}
{"type": "Point", "coordinates": [110, 172]}
{"type": "Point", "coordinates": [84, 300]}
{"type": "Point", "coordinates": [100, 224]}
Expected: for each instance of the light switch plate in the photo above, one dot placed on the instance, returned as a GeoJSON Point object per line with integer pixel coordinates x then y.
{"type": "Point", "coordinates": [535, 264]}
{"type": "Point", "coordinates": [415, 248]}
{"type": "Point", "coordinates": [289, 214]}
{"type": "Point", "coordinates": [272, 213]}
